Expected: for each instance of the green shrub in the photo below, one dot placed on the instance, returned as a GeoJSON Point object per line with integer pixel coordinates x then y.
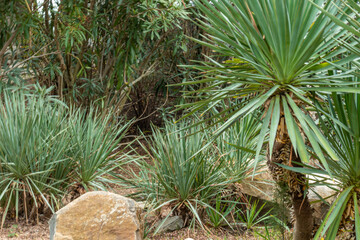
{"type": "Point", "coordinates": [182, 173]}
{"type": "Point", "coordinates": [94, 140]}
{"type": "Point", "coordinates": [218, 213]}
{"type": "Point", "coordinates": [190, 177]}
{"type": "Point", "coordinates": [341, 126]}
{"type": "Point", "coordinates": [252, 216]}
{"type": "Point", "coordinates": [45, 148]}
{"type": "Point", "coordinates": [237, 145]}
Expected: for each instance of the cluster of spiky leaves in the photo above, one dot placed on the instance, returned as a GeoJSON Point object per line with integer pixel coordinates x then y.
{"type": "Point", "coordinates": [47, 148]}
{"type": "Point", "coordinates": [185, 176]}
{"type": "Point", "coordinates": [342, 129]}
{"type": "Point", "coordinates": [280, 53]}
{"type": "Point", "coordinates": [340, 123]}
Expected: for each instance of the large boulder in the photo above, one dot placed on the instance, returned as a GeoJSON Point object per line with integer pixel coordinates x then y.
{"type": "Point", "coordinates": [318, 194]}
{"type": "Point", "coordinates": [97, 215]}
{"type": "Point", "coordinates": [260, 186]}
{"type": "Point", "coordinates": [263, 187]}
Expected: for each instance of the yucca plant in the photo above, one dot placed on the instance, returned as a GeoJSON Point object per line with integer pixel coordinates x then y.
{"type": "Point", "coordinates": [95, 140]}
{"type": "Point", "coordinates": [220, 211]}
{"type": "Point", "coordinates": [341, 126]}
{"type": "Point", "coordinates": [177, 178]}
{"type": "Point", "coordinates": [34, 167]}
{"type": "Point", "coordinates": [47, 149]}
{"type": "Point", "coordinates": [342, 129]}
{"type": "Point", "coordinates": [252, 216]}
{"type": "Point", "coordinates": [276, 54]}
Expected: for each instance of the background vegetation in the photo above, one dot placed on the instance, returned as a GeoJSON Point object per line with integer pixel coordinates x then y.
{"type": "Point", "coordinates": [195, 96]}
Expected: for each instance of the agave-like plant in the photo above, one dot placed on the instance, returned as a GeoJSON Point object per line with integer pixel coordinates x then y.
{"type": "Point", "coordinates": [176, 177]}
{"type": "Point", "coordinates": [280, 51]}
{"type": "Point", "coordinates": [95, 142]}
{"type": "Point", "coordinates": [238, 144]}
{"type": "Point", "coordinates": [341, 126]}
{"type": "Point", "coordinates": [46, 148]}
{"type": "Point", "coordinates": [34, 169]}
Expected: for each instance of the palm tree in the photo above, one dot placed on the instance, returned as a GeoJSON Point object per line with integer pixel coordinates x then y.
{"type": "Point", "coordinates": [280, 54]}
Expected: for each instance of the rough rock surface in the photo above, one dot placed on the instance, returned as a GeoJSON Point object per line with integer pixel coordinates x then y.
{"type": "Point", "coordinates": [170, 224]}
{"type": "Point", "coordinates": [97, 215]}
{"type": "Point", "coordinates": [263, 187]}
{"type": "Point", "coordinates": [315, 195]}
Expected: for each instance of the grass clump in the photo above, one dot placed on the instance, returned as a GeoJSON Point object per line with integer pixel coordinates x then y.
{"type": "Point", "coordinates": [189, 177]}
{"type": "Point", "coordinates": [181, 173]}
{"type": "Point", "coordinates": [47, 148]}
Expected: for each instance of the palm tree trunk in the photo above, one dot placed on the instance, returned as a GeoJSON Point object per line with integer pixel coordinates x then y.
{"type": "Point", "coordinates": [283, 154]}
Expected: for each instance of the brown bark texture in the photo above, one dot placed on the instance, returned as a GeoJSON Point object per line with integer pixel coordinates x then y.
{"type": "Point", "coordinates": [283, 153]}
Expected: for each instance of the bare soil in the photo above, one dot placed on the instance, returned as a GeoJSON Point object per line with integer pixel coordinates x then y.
{"type": "Point", "coordinates": [23, 231]}
{"type": "Point", "coordinates": [202, 235]}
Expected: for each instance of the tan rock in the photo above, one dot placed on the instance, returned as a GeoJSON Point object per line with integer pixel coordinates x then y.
{"type": "Point", "coordinates": [261, 186]}
{"type": "Point", "coordinates": [97, 215]}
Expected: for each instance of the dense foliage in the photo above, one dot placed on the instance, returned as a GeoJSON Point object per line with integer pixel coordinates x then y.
{"type": "Point", "coordinates": [47, 150]}
{"type": "Point", "coordinates": [270, 79]}
{"type": "Point", "coordinates": [90, 50]}
{"type": "Point", "coordinates": [187, 178]}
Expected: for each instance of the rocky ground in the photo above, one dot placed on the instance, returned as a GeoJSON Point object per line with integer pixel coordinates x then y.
{"type": "Point", "coordinates": [23, 231]}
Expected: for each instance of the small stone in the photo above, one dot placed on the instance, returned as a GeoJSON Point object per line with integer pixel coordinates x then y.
{"type": "Point", "coordinates": [170, 224]}
{"type": "Point", "coordinates": [97, 215]}
{"type": "Point", "coordinates": [141, 205]}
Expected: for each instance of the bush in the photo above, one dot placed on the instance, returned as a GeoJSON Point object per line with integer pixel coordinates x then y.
{"type": "Point", "coordinates": [237, 146]}
{"type": "Point", "coordinates": [186, 175]}
{"type": "Point", "coordinates": [181, 174]}
{"type": "Point", "coordinates": [341, 127]}
{"type": "Point", "coordinates": [46, 148]}
{"type": "Point", "coordinates": [94, 139]}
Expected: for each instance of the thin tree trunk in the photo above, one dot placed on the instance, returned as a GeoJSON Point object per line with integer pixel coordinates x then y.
{"type": "Point", "coordinates": [7, 44]}
{"type": "Point", "coordinates": [283, 154]}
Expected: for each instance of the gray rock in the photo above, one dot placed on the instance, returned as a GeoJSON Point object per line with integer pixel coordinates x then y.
{"type": "Point", "coordinates": [261, 186]}
{"type": "Point", "coordinates": [170, 224]}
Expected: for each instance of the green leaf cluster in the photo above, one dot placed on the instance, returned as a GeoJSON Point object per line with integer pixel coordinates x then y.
{"type": "Point", "coordinates": [47, 149]}
{"type": "Point", "coordinates": [175, 176]}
